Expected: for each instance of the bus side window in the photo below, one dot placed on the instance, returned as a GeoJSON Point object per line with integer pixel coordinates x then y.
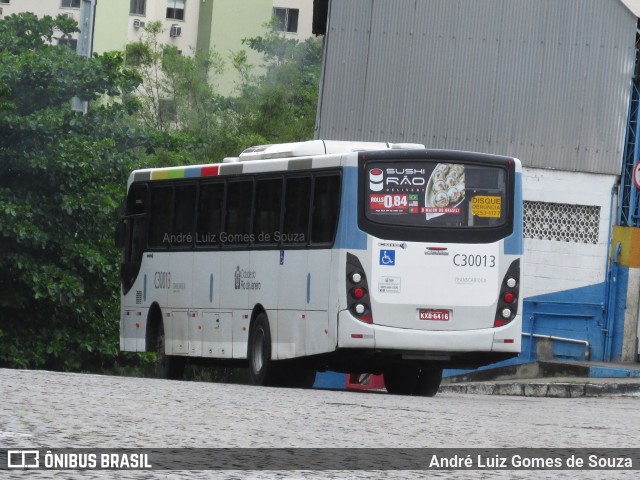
{"type": "Point", "coordinates": [160, 216]}
{"type": "Point", "coordinates": [268, 203]}
{"type": "Point", "coordinates": [184, 215]}
{"type": "Point", "coordinates": [210, 207]}
{"type": "Point", "coordinates": [238, 215]}
{"type": "Point", "coordinates": [297, 204]}
{"type": "Point", "coordinates": [326, 204]}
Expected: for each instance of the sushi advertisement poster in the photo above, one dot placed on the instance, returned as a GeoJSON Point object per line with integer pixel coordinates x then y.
{"type": "Point", "coordinates": [423, 192]}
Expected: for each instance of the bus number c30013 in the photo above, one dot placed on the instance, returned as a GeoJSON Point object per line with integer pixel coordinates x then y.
{"type": "Point", "coordinates": [464, 260]}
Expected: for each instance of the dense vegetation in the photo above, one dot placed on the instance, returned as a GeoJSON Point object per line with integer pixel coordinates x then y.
{"type": "Point", "coordinates": [63, 174]}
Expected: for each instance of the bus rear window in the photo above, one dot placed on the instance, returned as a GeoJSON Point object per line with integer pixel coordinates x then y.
{"type": "Point", "coordinates": [438, 194]}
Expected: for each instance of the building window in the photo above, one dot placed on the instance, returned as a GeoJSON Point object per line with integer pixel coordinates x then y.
{"type": "Point", "coordinates": [70, 4]}
{"type": "Point", "coordinates": [175, 9]}
{"type": "Point", "coordinates": [286, 19]}
{"type": "Point", "coordinates": [72, 43]}
{"type": "Point", "coordinates": [137, 7]}
{"type": "Point", "coordinates": [4, 1]}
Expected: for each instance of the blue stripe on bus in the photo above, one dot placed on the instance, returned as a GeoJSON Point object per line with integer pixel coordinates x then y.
{"type": "Point", "coordinates": [211, 288]}
{"type": "Point", "coordinates": [192, 172]}
{"type": "Point", "coordinates": [513, 244]}
{"type": "Point", "coordinates": [349, 235]}
{"type": "Point", "coordinates": [308, 288]}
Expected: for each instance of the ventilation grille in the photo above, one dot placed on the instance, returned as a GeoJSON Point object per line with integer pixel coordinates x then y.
{"type": "Point", "coordinates": [562, 222]}
{"type": "Point", "coordinates": [139, 297]}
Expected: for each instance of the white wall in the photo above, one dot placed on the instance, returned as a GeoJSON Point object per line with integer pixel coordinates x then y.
{"type": "Point", "coordinates": [552, 266]}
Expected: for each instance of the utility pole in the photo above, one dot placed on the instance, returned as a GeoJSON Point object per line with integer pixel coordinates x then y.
{"type": "Point", "coordinates": [85, 44]}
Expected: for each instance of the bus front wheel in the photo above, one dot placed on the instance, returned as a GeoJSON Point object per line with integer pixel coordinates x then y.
{"type": "Point", "coordinates": [428, 382]}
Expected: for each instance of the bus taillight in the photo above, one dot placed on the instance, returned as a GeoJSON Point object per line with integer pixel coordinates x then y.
{"type": "Point", "coordinates": [358, 292]}
{"type": "Point", "coordinates": [358, 301]}
{"type": "Point", "coordinates": [508, 301]}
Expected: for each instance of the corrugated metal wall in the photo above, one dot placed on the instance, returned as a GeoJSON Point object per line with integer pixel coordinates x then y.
{"type": "Point", "coordinates": [547, 81]}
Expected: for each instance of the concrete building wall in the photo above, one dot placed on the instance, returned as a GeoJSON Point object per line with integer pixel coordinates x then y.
{"type": "Point", "coordinates": [111, 26]}
{"type": "Point", "coordinates": [217, 24]}
{"type": "Point", "coordinates": [229, 26]}
{"type": "Point", "coordinates": [110, 32]}
{"type": "Point", "coordinates": [157, 11]}
{"type": "Point", "coordinates": [567, 225]}
{"type": "Point", "coordinates": [40, 8]}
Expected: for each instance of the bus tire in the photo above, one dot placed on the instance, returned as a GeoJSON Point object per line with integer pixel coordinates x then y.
{"type": "Point", "coordinates": [169, 367]}
{"type": "Point", "coordinates": [401, 379]}
{"type": "Point", "coordinates": [262, 370]}
{"type": "Point", "coordinates": [428, 382]}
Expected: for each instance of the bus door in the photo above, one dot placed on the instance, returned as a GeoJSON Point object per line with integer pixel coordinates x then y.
{"type": "Point", "coordinates": [292, 269]}
{"type": "Point", "coordinates": [324, 222]}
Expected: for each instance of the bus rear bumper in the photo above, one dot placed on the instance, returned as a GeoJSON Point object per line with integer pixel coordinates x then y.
{"type": "Point", "coordinates": [352, 333]}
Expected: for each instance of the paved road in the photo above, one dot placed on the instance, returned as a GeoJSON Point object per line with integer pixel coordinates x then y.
{"type": "Point", "coordinates": [56, 410]}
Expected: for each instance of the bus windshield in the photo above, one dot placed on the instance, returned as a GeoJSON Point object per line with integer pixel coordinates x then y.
{"type": "Point", "coordinates": [466, 199]}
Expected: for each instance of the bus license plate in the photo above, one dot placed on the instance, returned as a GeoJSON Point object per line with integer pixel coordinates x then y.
{"type": "Point", "coordinates": [436, 315]}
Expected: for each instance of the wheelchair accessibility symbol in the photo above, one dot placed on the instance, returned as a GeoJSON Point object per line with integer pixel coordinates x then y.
{"type": "Point", "coordinates": [387, 257]}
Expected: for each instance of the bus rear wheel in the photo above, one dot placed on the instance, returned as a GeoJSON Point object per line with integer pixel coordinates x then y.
{"type": "Point", "coordinates": [167, 366]}
{"type": "Point", "coordinates": [400, 380]}
{"type": "Point", "coordinates": [410, 380]}
{"type": "Point", "coordinates": [262, 370]}
{"type": "Point", "coordinates": [428, 382]}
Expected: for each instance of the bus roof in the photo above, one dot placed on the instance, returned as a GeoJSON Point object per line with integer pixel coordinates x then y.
{"type": "Point", "coordinates": [283, 151]}
{"type": "Point", "coordinates": [316, 147]}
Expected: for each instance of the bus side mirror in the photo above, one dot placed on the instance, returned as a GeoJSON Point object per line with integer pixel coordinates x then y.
{"type": "Point", "coordinates": [120, 235]}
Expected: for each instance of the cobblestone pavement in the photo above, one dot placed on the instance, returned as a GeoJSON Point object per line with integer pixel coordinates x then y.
{"type": "Point", "coordinates": [56, 410]}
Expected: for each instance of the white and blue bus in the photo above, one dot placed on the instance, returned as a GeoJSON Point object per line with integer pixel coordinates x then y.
{"type": "Point", "coordinates": [322, 255]}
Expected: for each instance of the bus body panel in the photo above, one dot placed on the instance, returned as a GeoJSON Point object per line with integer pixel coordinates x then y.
{"type": "Point", "coordinates": [179, 288]}
{"type": "Point", "coordinates": [132, 328]}
{"type": "Point", "coordinates": [352, 333]}
{"type": "Point", "coordinates": [207, 267]}
{"type": "Point", "coordinates": [215, 334]}
{"type": "Point", "coordinates": [241, 319]}
{"type": "Point", "coordinates": [435, 277]}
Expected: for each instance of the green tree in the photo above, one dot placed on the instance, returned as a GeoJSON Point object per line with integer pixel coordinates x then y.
{"type": "Point", "coordinates": [273, 102]}
{"type": "Point", "coordinates": [62, 178]}
{"type": "Point", "coordinates": [179, 99]}
{"type": "Point", "coordinates": [280, 105]}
